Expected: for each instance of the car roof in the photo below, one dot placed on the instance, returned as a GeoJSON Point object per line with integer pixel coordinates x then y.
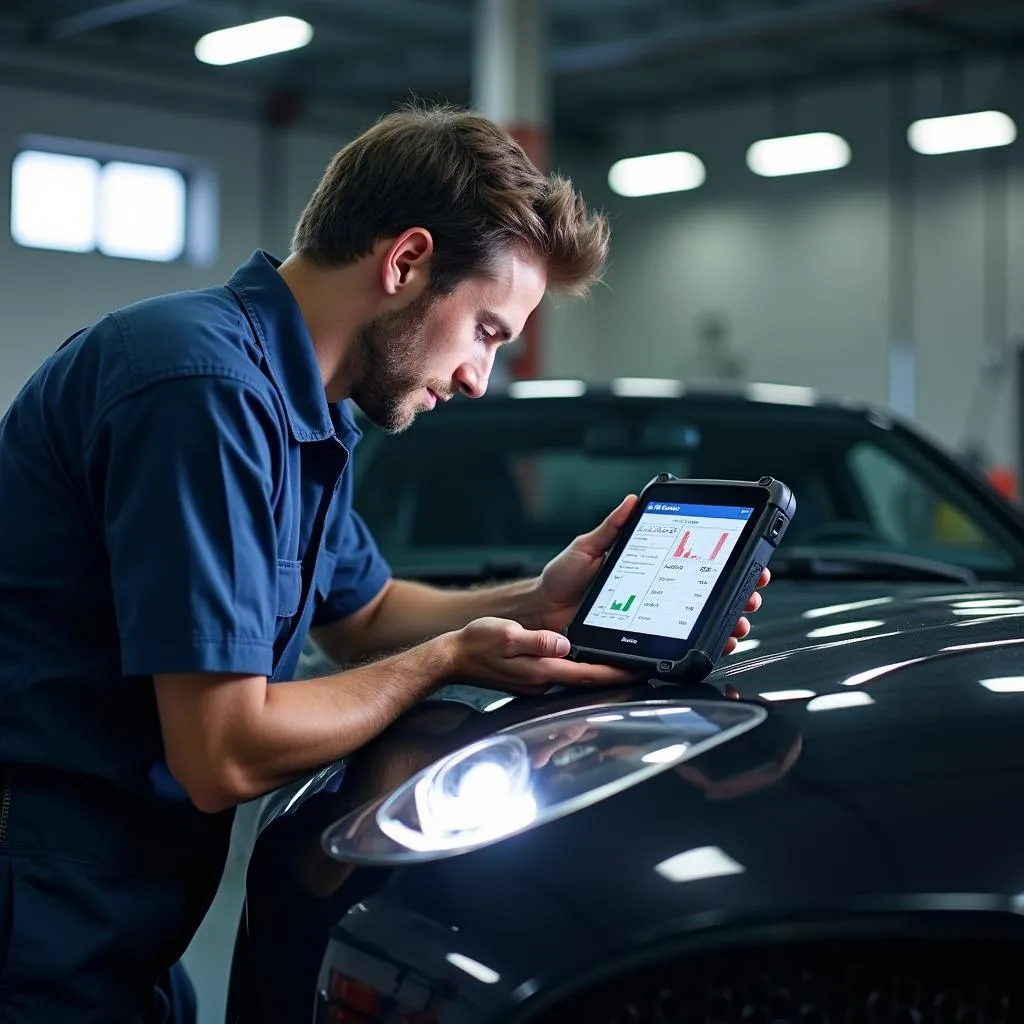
{"type": "Point", "coordinates": [656, 390]}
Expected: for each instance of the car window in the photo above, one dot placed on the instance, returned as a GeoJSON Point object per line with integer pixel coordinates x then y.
{"type": "Point", "coordinates": [908, 512]}
{"type": "Point", "coordinates": [492, 484]}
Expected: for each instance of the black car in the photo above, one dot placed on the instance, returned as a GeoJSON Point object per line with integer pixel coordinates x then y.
{"type": "Point", "coordinates": [826, 830]}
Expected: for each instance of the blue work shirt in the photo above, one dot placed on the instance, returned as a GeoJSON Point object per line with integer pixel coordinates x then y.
{"type": "Point", "coordinates": [175, 496]}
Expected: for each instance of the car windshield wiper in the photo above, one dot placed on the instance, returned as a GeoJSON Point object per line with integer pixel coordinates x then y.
{"type": "Point", "coordinates": [831, 563]}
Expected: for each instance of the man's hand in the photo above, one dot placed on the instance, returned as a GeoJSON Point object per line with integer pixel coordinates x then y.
{"type": "Point", "coordinates": [511, 657]}
{"type": "Point", "coordinates": [565, 578]}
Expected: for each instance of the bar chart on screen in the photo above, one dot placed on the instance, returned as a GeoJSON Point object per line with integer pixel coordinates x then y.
{"type": "Point", "coordinates": [700, 544]}
{"type": "Point", "coordinates": [667, 570]}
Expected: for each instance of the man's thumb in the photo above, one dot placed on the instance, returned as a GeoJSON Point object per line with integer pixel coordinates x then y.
{"type": "Point", "coordinates": [551, 645]}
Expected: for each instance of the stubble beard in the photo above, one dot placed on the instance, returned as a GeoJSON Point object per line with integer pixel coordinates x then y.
{"type": "Point", "coordinates": [387, 367]}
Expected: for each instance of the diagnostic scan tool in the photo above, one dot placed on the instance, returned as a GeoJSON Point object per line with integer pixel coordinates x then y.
{"type": "Point", "coordinates": [679, 575]}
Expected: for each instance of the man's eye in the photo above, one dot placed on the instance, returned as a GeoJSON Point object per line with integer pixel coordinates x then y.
{"type": "Point", "coordinates": [483, 334]}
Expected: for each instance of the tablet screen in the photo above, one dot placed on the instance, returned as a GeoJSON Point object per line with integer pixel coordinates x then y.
{"type": "Point", "coordinates": [668, 568]}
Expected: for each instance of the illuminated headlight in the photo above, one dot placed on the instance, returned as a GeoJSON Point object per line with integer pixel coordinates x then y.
{"type": "Point", "coordinates": [530, 774]}
{"type": "Point", "coordinates": [468, 795]}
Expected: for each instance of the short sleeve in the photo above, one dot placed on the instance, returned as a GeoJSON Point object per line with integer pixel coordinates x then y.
{"type": "Point", "coordinates": [355, 570]}
{"type": "Point", "coordinates": [183, 475]}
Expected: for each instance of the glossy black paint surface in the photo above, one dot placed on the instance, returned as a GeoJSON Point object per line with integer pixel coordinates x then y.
{"type": "Point", "coordinates": [908, 802]}
{"type": "Point", "coordinates": [899, 807]}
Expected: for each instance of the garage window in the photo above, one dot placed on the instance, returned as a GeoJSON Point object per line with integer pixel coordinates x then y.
{"type": "Point", "coordinates": [121, 203]}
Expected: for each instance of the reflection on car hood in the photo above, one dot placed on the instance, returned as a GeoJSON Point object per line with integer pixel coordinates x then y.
{"type": "Point", "coordinates": [906, 802]}
{"type": "Point", "coordinates": [817, 637]}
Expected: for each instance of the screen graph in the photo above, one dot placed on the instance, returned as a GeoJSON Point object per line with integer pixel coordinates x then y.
{"type": "Point", "coordinates": [666, 572]}
{"type": "Point", "coordinates": [701, 544]}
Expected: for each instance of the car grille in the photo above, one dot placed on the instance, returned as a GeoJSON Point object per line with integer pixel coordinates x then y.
{"type": "Point", "coordinates": [850, 983]}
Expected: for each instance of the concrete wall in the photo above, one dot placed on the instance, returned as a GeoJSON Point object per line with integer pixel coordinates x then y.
{"type": "Point", "coordinates": [811, 278]}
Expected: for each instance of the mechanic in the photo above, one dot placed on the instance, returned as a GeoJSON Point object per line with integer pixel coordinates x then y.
{"type": "Point", "coordinates": [176, 516]}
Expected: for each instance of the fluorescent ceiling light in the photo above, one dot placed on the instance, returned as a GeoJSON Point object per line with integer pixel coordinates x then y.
{"type": "Point", "coordinates": [833, 701]}
{"type": "Point", "coordinates": [845, 628]}
{"type": "Point", "coordinates": [798, 154]}
{"type": "Point", "coordinates": [597, 719]}
{"type": "Point", "coordinates": [852, 606]}
{"type": "Point", "coordinates": [781, 394]}
{"type": "Point", "coordinates": [982, 130]}
{"type": "Point", "coordinates": [703, 862]}
{"type": "Point", "coordinates": [646, 387]}
{"type": "Point", "coordinates": [1006, 684]}
{"type": "Point", "coordinates": [547, 388]}
{"type": "Point", "coordinates": [473, 968]}
{"type": "Point", "coordinates": [776, 695]}
{"type": "Point", "coordinates": [656, 174]}
{"type": "Point", "coordinates": [255, 39]}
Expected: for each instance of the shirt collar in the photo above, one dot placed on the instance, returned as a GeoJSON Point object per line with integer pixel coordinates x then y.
{"type": "Point", "coordinates": [283, 336]}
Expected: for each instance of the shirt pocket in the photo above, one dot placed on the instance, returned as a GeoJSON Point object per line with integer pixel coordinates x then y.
{"type": "Point", "coordinates": [289, 587]}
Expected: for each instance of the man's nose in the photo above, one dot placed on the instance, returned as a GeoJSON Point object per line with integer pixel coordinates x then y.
{"type": "Point", "coordinates": [472, 381]}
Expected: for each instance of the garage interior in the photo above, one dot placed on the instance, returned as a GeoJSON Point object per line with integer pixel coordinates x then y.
{"type": "Point", "coordinates": [877, 258]}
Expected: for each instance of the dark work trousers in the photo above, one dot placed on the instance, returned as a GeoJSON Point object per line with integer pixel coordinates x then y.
{"type": "Point", "coordinates": [100, 895]}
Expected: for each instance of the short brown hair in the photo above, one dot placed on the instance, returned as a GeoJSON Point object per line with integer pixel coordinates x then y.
{"type": "Point", "coordinates": [464, 179]}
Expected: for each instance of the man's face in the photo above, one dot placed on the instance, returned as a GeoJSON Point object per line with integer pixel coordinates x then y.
{"type": "Point", "coordinates": [407, 360]}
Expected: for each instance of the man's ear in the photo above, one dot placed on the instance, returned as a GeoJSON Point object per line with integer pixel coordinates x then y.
{"type": "Point", "coordinates": [406, 263]}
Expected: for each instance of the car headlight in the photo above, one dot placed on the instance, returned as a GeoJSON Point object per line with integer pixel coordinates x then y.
{"type": "Point", "coordinates": [532, 773]}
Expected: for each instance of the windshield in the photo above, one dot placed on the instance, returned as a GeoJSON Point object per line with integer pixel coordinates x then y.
{"type": "Point", "coordinates": [503, 481]}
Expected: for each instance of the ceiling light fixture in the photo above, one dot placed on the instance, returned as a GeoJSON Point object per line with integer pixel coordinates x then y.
{"type": "Point", "coordinates": [798, 154]}
{"type": "Point", "coordinates": [656, 174]}
{"type": "Point", "coordinates": [254, 39]}
{"type": "Point", "coordinates": [984, 129]}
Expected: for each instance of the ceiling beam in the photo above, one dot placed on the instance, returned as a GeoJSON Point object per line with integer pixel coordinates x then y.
{"type": "Point", "coordinates": [946, 29]}
{"type": "Point", "coordinates": [759, 29]}
{"type": "Point", "coordinates": [434, 18]}
{"type": "Point", "coordinates": [162, 85]}
{"type": "Point", "coordinates": [591, 113]}
{"type": "Point", "coordinates": [105, 16]}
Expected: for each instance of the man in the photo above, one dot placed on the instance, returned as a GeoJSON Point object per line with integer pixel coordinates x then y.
{"type": "Point", "coordinates": [175, 516]}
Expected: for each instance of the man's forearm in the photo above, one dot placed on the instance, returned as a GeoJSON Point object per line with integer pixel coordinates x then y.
{"type": "Point", "coordinates": [411, 613]}
{"type": "Point", "coordinates": [256, 736]}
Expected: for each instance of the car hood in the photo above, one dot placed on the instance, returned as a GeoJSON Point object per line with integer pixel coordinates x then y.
{"type": "Point", "coordinates": [819, 636]}
{"type": "Point", "coordinates": [902, 797]}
